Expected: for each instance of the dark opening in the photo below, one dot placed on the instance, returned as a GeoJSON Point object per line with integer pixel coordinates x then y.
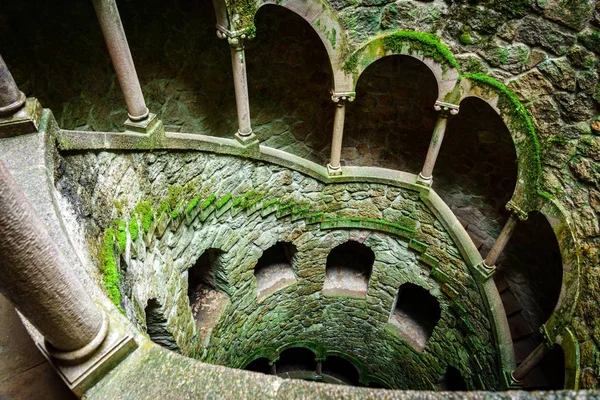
{"type": "Point", "coordinates": [206, 272]}
{"type": "Point", "coordinates": [549, 374]}
{"type": "Point", "coordinates": [416, 314]}
{"type": "Point", "coordinates": [377, 385]}
{"type": "Point", "coordinates": [156, 326]}
{"type": "Point", "coordinates": [259, 365]}
{"type": "Point", "coordinates": [274, 270]}
{"type": "Point", "coordinates": [296, 359]}
{"type": "Point", "coordinates": [341, 369]}
{"type": "Point", "coordinates": [476, 171]}
{"type": "Point", "coordinates": [391, 121]}
{"type": "Point", "coordinates": [348, 269]}
{"type": "Point", "coordinates": [207, 290]}
{"type": "Point", "coordinates": [289, 80]}
{"type": "Point", "coordinates": [452, 381]}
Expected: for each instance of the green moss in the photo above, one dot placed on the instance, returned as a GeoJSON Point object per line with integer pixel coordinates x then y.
{"type": "Point", "coordinates": [133, 228]}
{"type": "Point", "coordinates": [223, 200]}
{"type": "Point", "coordinates": [270, 203]}
{"type": "Point", "coordinates": [177, 210]}
{"type": "Point", "coordinates": [121, 227]}
{"type": "Point", "coordinates": [427, 44]}
{"type": "Point", "coordinates": [465, 38]}
{"type": "Point", "coordinates": [502, 56]}
{"type": "Point", "coordinates": [174, 195]}
{"type": "Point", "coordinates": [206, 203]}
{"type": "Point", "coordinates": [520, 121]}
{"type": "Point", "coordinates": [192, 204]}
{"type": "Point", "coordinates": [109, 267]}
{"type": "Point", "coordinates": [144, 210]}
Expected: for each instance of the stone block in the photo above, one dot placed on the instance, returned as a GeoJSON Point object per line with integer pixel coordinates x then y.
{"type": "Point", "coordinates": [25, 120]}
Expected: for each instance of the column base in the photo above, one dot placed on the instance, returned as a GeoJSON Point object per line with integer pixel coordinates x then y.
{"type": "Point", "coordinates": [511, 382]}
{"type": "Point", "coordinates": [425, 181]}
{"type": "Point", "coordinates": [117, 345]}
{"type": "Point", "coordinates": [247, 139]}
{"type": "Point", "coordinates": [485, 271]}
{"type": "Point", "coordinates": [147, 126]}
{"type": "Point", "coordinates": [25, 120]}
{"type": "Point", "coordinates": [334, 171]}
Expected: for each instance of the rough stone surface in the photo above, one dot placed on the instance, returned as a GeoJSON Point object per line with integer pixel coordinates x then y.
{"type": "Point", "coordinates": [156, 267]}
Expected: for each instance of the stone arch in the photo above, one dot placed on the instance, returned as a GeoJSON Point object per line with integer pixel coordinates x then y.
{"type": "Point", "coordinates": [348, 269]}
{"type": "Point", "coordinates": [157, 326]}
{"type": "Point", "coordinates": [518, 122]}
{"type": "Point", "coordinates": [557, 216]}
{"type": "Point", "coordinates": [316, 12]}
{"type": "Point", "coordinates": [348, 361]}
{"type": "Point", "coordinates": [424, 47]}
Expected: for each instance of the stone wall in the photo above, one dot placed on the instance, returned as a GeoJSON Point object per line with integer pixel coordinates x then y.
{"type": "Point", "coordinates": [409, 242]}
{"type": "Point", "coordinates": [545, 52]}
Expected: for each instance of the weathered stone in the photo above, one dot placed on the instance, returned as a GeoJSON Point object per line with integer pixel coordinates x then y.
{"type": "Point", "coordinates": [535, 31]}
{"type": "Point", "coordinates": [513, 58]}
{"type": "Point", "coordinates": [530, 85]}
{"type": "Point", "coordinates": [581, 58]}
{"type": "Point", "coordinates": [560, 73]}
{"type": "Point", "coordinates": [575, 14]}
{"type": "Point", "coordinates": [576, 108]}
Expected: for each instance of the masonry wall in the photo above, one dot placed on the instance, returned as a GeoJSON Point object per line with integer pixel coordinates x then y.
{"type": "Point", "coordinates": [545, 51]}
{"type": "Point", "coordinates": [410, 246]}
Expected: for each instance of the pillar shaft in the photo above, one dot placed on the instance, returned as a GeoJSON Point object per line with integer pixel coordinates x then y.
{"type": "Point", "coordinates": [240, 82]}
{"type": "Point", "coordinates": [434, 147]}
{"type": "Point", "coordinates": [338, 134]}
{"type": "Point", "coordinates": [35, 277]}
{"type": "Point", "coordinates": [11, 98]}
{"type": "Point", "coordinates": [501, 242]}
{"type": "Point", "coordinates": [532, 360]}
{"type": "Point", "coordinates": [116, 41]}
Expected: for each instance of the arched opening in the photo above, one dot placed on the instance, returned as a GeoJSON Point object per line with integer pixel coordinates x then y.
{"type": "Point", "coordinates": [207, 286]}
{"type": "Point", "coordinates": [549, 374]}
{"type": "Point", "coordinates": [274, 270]}
{"type": "Point", "coordinates": [529, 279]}
{"type": "Point", "coordinates": [261, 365]}
{"type": "Point", "coordinates": [476, 170]}
{"type": "Point", "coordinates": [157, 327]}
{"type": "Point", "coordinates": [289, 80]}
{"type": "Point", "coordinates": [341, 369]}
{"type": "Point", "coordinates": [416, 313]}
{"type": "Point", "coordinates": [296, 359]}
{"type": "Point", "coordinates": [452, 380]}
{"type": "Point", "coordinates": [58, 54]}
{"type": "Point", "coordinates": [348, 270]}
{"type": "Point", "coordinates": [392, 119]}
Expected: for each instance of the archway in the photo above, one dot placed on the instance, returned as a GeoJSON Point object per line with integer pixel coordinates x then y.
{"type": "Point", "coordinates": [289, 80]}
{"type": "Point", "coordinates": [157, 326]}
{"type": "Point", "coordinates": [392, 119]}
{"type": "Point", "coordinates": [476, 171]}
{"type": "Point", "coordinates": [274, 270]}
{"type": "Point", "coordinates": [416, 313]}
{"type": "Point", "coordinates": [348, 269]}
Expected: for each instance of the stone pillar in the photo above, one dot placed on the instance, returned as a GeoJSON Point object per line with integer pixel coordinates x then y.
{"type": "Point", "coordinates": [240, 81]}
{"type": "Point", "coordinates": [140, 119]}
{"type": "Point", "coordinates": [445, 110]}
{"type": "Point", "coordinates": [11, 98]}
{"type": "Point", "coordinates": [488, 266]}
{"type": "Point", "coordinates": [18, 115]}
{"type": "Point", "coordinates": [36, 279]}
{"type": "Point", "coordinates": [334, 167]}
{"type": "Point", "coordinates": [532, 360]}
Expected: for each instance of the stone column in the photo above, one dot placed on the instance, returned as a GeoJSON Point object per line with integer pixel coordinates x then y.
{"type": "Point", "coordinates": [118, 48]}
{"type": "Point", "coordinates": [340, 99]}
{"type": "Point", "coordinates": [445, 110]}
{"type": "Point", "coordinates": [532, 360]}
{"type": "Point", "coordinates": [11, 98]}
{"type": "Point", "coordinates": [18, 115]}
{"type": "Point", "coordinates": [240, 81]}
{"type": "Point", "coordinates": [36, 279]}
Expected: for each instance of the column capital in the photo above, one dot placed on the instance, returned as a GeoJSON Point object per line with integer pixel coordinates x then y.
{"type": "Point", "coordinates": [446, 110]}
{"type": "Point", "coordinates": [516, 211]}
{"type": "Point", "coordinates": [236, 39]}
{"type": "Point", "coordinates": [342, 97]}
